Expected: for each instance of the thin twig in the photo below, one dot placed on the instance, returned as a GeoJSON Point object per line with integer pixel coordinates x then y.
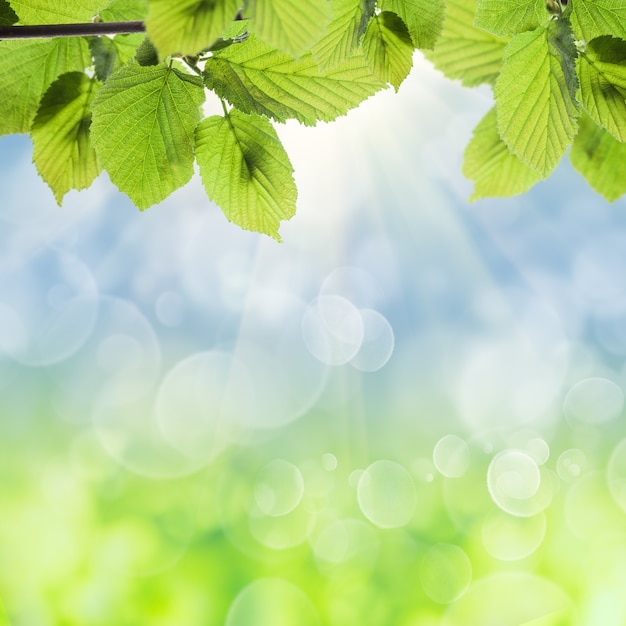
{"type": "Point", "coordinates": [71, 30]}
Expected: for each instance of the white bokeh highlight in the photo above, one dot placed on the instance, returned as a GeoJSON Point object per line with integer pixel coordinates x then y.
{"type": "Point", "coordinates": [386, 494]}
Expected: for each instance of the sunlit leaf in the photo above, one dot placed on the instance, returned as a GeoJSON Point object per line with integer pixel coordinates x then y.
{"type": "Point", "coordinates": [188, 26]}
{"type": "Point", "coordinates": [246, 171]}
{"type": "Point", "coordinates": [125, 11]}
{"type": "Point", "coordinates": [601, 159]}
{"type": "Point", "coordinates": [27, 69]}
{"type": "Point", "coordinates": [56, 11]}
{"type": "Point", "coordinates": [424, 18]}
{"type": "Point", "coordinates": [388, 48]}
{"type": "Point", "coordinates": [257, 79]}
{"type": "Point", "coordinates": [292, 26]}
{"type": "Point", "coordinates": [62, 150]}
{"type": "Point", "coordinates": [602, 73]}
{"type": "Point", "coordinates": [463, 51]}
{"type": "Point", "coordinates": [495, 171]}
{"type": "Point", "coordinates": [144, 120]}
{"type": "Point", "coordinates": [509, 17]}
{"type": "Point", "coordinates": [536, 95]}
{"type": "Point", "coordinates": [342, 34]}
{"type": "Point", "coordinates": [592, 18]}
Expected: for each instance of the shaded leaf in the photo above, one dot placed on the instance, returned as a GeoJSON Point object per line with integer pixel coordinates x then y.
{"type": "Point", "coordinates": [592, 18]}
{"type": "Point", "coordinates": [237, 32]}
{"type": "Point", "coordinates": [342, 35]}
{"type": "Point", "coordinates": [144, 120]}
{"type": "Point", "coordinates": [62, 150]}
{"type": "Point", "coordinates": [292, 26]}
{"type": "Point", "coordinates": [125, 11]}
{"type": "Point", "coordinates": [369, 8]}
{"type": "Point", "coordinates": [246, 171]}
{"type": "Point", "coordinates": [27, 69]}
{"type": "Point", "coordinates": [188, 26]}
{"type": "Point", "coordinates": [388, 48]}
{"type": "Point", "coordinates": [509, 17]}
{"type": "Point", "coordinates": [465, 52]}
{"type": "Point", "coordinates": [146, 54]}
{"type": "Point", "coordinates": [56, 11]}
{"type": "Point", "coordinates": [257, 79]}
{"type": "Point", "coordinates": [8, 17]}
{"type": "Point", "coordinates": [601, 159]}
{"type": "Point", "coordinates": [536, 95]}
{"type": "Point", "coordinates": [110, 53]}
{"type": "Point", "coordinates": [602, 73]}
{"type": "Point", "coordinates": [495, 171]}
{"type": "Point", "coordinates": [424, 19]}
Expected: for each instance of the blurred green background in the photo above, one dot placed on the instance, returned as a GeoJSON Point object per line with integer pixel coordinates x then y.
{"type": "Point", "coordinates": [409, 414]}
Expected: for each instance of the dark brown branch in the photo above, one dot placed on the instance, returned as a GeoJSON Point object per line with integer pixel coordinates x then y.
{"type": "Point", "coordinates": [71, 30]}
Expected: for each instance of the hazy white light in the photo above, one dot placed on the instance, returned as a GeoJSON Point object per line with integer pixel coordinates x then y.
{"type": "Point", "coordinates": [451, 456]}
{"type": "Point", "coordinates": [386, 494]}
{"type": "Point", "coordinates": [517, 485]}
{"type": "Point", "coordinates": [378, 342]}
{"type": "Point", "coordinates": [445, 573]}
{"type": "Point", "coordinates": [272, 602]}
{"type": "Point", "coordinates": [169, 308]}
{"type": "Point", "coordinates": [353, 284]}
{"type": "Point", "coordinates": [198, 402]}
{"type": "Point", "coordinates": [49, 306]}
{"type": "Point", "coordinates": [571, 464]}
{"type": "Point", "coordinates": [593, 401]}
{"type": "Point", "coordinates": [333, 330]}
{"type": "Point", "coordinates": [510, 538]}
{"type": "Point", "coordinates": [502, 599]}
{"type": "Point", "coordinates": [101, 371]}
{"type": "Point", "coordinates": [279, 488]}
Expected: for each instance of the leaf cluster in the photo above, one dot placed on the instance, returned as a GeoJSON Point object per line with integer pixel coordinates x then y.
{"type": "Point", "coordinates": [558, 72]}
{"type": "Point", "coordinates": [133, 104]}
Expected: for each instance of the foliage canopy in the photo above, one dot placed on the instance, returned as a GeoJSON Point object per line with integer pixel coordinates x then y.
{"type": "Point", "coordinates": [132, 103]}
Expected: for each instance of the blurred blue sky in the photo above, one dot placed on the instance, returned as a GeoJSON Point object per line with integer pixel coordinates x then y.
{"type": "Point", "coordinates": [491, 310]}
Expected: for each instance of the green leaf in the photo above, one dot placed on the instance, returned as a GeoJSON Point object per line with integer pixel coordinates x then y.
{"type": "Point", "coordinates": [257, 79]}
{"type": "Point", "coordinates": [424, 19]}
{"type": "Point", "coordinates": [465, 52]}
{"type": "Point", "coordinates": [388, 48]}
{"type": "Point", "coordinates": [368, 8]}
{"type": "Point", "coordinates": [125, 11]}
{"type": "Point", "coordinates": [109, 54]}
{"type": "Point", "coordinates": [227, 39]}
{"type": "Point", "coordinates": [246, 171]}
{"type": "Point", "coordinates": [342, 35]}
{"type": "Point", "coordinates": [592, 18]}
{"type": "Point", "coordinates": [495, 171]}
{"type": "Point", "coordinates": [56, 11]}
{"type": "Point", "coordinates": [509, 17]}
{"type": "Point", "coordinates": [144, 120]}
{"type": "Point", "coordinates": [536, 95]}
{"type": "Point", "coordinates": [292, 26]}
{"type": "Point", "coordinates": [188, 26]}
{"type": "Point", "coordinates": [601, 159]}
{"type": "Point", "coordinates": [146, 53]}
{"type": "Point", "coordinates": [61, 148]}
{"type": "Point", "coordinates": [27, 69]}
{"type": "Point", "coordinates": [602, 74]}
{"type": "Point", "coordinates": [237, 28]}
{"type": "Point", "coordinates": [8, 17]}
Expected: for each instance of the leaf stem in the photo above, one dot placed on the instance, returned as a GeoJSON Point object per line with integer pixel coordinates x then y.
{"type": "Point", "coordinates": [46, 31]}
{"type": "Point", "coordinates": [191, 63]}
